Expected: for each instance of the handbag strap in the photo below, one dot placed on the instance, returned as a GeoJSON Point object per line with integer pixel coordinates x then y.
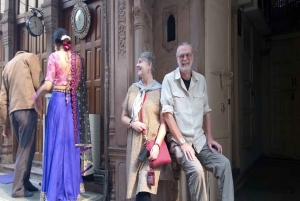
{"type": "Point", "coordinates": [143, 131]}
{"type": "Point", "coordinates": [141, 115]}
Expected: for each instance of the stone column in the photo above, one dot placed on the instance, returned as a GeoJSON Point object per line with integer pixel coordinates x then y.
{"type": "Point", "coordinates": [139, 27]}
{"type": "Point", "coordinates": [8, 27]}
{"type": "Point", "coordinates": [50, 9]}
{"type": "Point", "coordinates": [120, 33]}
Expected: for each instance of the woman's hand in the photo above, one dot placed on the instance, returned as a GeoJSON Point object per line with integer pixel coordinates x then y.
{"type": "Point", "coordinates": [138, 126]}
{"type": "Point", "coordinates": [154, 152]}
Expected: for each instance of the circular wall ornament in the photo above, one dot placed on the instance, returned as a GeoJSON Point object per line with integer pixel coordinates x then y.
{"type": "Point", "coordinates": [34, 24]}
{"type": "Point", "coordinates": [80, 19]}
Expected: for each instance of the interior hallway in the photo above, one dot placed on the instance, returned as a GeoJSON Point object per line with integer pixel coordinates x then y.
{"type": "Point", "coordinates": [271, 179]}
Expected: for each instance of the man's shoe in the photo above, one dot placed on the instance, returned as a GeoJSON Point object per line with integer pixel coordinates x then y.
{"type": "Point", "coordinates": [32, 188]}
{"type": "Point", "coordinates": [26, 194]}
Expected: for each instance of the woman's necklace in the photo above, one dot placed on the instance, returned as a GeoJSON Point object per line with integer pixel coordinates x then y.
{"type": "Point", "coordinates": [69, 76]}
{"type": "Point", "coordinates": [67, 57]}
{"type": "Point", "coordinates": [68, 87]}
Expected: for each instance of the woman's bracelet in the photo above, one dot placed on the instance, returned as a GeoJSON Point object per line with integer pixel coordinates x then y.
{"type": "Point", "coordinates": [35, 100]}
{"type": "Point", "coordinates": [130, 122]}
{"type": "Point", "coordinates": [157, 145]}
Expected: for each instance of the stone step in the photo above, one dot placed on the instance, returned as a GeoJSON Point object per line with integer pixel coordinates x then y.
{"type": "Point", "coordinates": [37, 172]}
{"type": "Point", "coordinates": [37, 164]}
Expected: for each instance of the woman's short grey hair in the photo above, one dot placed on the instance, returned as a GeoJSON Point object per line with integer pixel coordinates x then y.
{"type": "Point", "coordinates": [149, 57]}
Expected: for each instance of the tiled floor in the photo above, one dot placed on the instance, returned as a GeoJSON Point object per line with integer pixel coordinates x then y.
{"type": "Point", "coordinates": [271, 180]}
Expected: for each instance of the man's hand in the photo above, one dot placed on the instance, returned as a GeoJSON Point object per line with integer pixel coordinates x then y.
{"type": "Point", "coordinates": [212, 143]}
{"type": "Point", "coordinates": [188, 151]}
{"type": "Point", "coordinates": [38, 107]}
{"type": "Point", "coordinates": [6, 132]}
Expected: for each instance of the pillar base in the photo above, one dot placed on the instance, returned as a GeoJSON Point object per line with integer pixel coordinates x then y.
{"type": "Point", "coordinates": [6, 159]}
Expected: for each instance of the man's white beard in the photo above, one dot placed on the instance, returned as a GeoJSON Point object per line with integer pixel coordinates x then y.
{"type": "Point", "coordinates": [185, 69]}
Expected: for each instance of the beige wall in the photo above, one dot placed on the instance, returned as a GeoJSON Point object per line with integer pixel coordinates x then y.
{"type": "Point", "coordinates": [189, 17]}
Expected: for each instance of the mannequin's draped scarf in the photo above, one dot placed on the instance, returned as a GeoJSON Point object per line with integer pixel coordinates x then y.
{"type": "Point", "coordinates": [85, 132]}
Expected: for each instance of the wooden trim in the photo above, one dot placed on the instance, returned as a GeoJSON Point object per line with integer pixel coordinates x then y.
{"type": "Point", "coordinates": [70, 3]}
{"type": "Point", "coordinates": [21, 18]}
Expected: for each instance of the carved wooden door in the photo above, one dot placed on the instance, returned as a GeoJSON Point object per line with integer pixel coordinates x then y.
{"type": "Point", "coordinates": [35, 45]}
{"type": "Point", "coordinates": [90, 49]}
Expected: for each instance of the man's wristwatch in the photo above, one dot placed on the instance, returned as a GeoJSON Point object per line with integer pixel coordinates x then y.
{"type": "Point", "coordinates": [182, 141]}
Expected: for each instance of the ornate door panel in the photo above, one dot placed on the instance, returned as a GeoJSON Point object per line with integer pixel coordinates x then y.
{"type": "Point", "coordinates": [35, 45]}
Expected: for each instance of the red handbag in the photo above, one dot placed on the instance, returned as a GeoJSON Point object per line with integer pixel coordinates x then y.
{"type": "Point", "coordinates": [163, 157]}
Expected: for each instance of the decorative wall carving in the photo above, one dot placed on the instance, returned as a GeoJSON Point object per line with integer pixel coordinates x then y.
{"type": "Point", "coordinates": [146, 46]}
{"type": "Point", "coordinates": [139, 17]}
{"type": "Point", "coordinates": [142, 21]}
{"type": "Point", "coordinates": [172, 10]}
{"type": "Point", "coordinates": [146, 18]}
{"type": "Point", "coordinates": [137, 14]}
{"type": "Point", "coordinates": [7, 17]}
{"type": "Point", "coordinates": [148, 30]}
{"type": "Point", "coordinates": [122, 28]}
{"type": "Point", "coordinates": [110, 17]}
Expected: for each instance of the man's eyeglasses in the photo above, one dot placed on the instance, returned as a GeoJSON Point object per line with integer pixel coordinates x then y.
{"type": "Point", "coordinates": [187, 55]}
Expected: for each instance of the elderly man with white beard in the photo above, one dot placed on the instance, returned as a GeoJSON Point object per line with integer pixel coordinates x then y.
{"type": "Point", "coordinates": [186, 110]}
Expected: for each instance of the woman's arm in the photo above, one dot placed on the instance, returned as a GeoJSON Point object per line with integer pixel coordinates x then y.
{"type": "Point", "coordinates": [136, 125]}
{"type": "Point", "coordinates": [45, 88]}
{"type": "Point", "coordinates": [125, 119]}
{"type": "Point", "coordinates": [159, 138]}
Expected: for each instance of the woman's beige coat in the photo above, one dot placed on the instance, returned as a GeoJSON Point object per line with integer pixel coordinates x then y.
{"type": "Point", "coordinates": [137, 172]}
